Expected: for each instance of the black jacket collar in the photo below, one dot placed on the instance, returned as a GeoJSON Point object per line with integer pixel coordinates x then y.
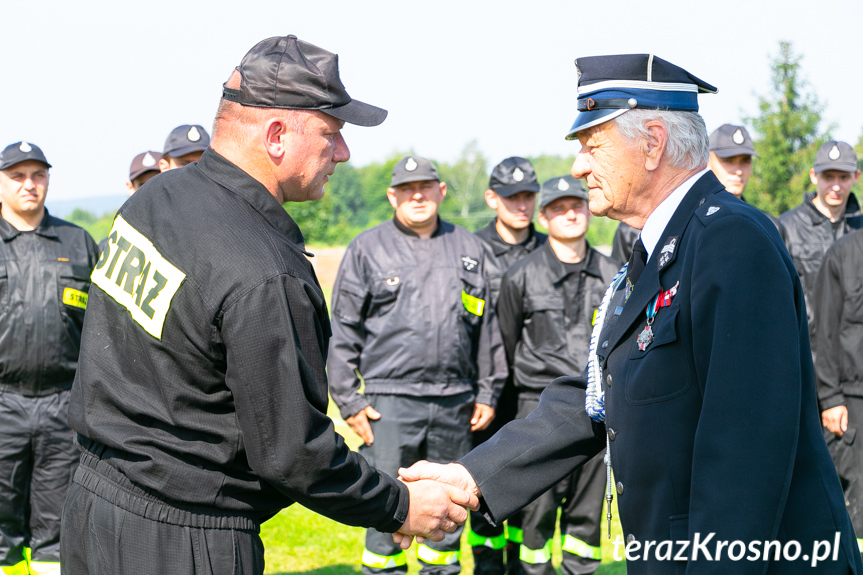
{"type": "Point", "coordinates": [559, 272]}
{"type": "Point", "coordinates": [44, 229]}
{"type": "Point", "coordinates": [499, 246]}
{"type": "Point", "coordinates": [852, 208]}
{"type": "Point", "coordinates": [409, 232]}
{"type": "Point", "coordinates": [229, 175]}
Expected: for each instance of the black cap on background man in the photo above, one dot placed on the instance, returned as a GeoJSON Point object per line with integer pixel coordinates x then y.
{"type": "Point", "coordinates": [561, 187]}
{"type": "Point", "coordinates": [731, 153]}
{"type": "Point", "coordinates": [413, 169]}
{"type": "Point", "coordinates": [184, 145]}
{"type": "Point", "coordinates": [144, 166]}
{"type": "Point", "coordinates": [513, 175]}
{"type": "Point", "coordinates": [835, 155]}
{"type": "Point", "coordinates": [21, 152]}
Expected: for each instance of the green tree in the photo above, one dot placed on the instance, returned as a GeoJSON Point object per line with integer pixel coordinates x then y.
{"type": "Point", "coordinates": [98, 227]}
{"type": "Point", "coordinates": [858, 187]}
{"type": "Point", "coordinates": [467, 181]}
{"type": "Point", "coordinates": [787, 137]}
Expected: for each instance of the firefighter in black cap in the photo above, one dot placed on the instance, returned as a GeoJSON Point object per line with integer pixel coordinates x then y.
{"type": "Point", "coordinates": [411, 318]}
{"type": "Point", "coordinates": [827, 214]}
{"type": "Point", "coordinates": [699, 377]}
{"type": "Point", "coordinates": [506, 239]}
{"type": "Point", "coordinates": [184, 145]}
{"type": "Point", "coordinates": [546, 311]}
{"type": "Point", "coordinates": [45, 266]}
{"type": "Point", "coordinates": [201, 395]}
{"type": "Point", "coordinates": [144, 167]}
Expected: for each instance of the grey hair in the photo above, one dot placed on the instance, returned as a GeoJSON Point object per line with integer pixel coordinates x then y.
{"type": "Point", "coordinates": [688, 144]}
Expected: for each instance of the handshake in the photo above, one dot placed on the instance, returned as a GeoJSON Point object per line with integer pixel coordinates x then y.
{"type": "Point", "coordinates": [438, 497]}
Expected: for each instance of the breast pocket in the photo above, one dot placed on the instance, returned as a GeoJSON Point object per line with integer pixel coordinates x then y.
{"type": "Point", "coordinates": [383, 294]}
{"type": "Point", "coordinates": [474, 300]}
{"type": "Point", "coordinates": [545, 329]}
{"type": "Point", "coordinates": [659, 372]}
{"type": "Point", "coordinates": [4, 288]}
{"type": "Point", "coordinates": [73, 287]}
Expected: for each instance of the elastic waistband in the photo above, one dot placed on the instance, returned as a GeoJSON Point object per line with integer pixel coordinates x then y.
{"type": "Point", "coordinates": [98, 477]}
{"type": "Point", "coordinates": [30, 391]}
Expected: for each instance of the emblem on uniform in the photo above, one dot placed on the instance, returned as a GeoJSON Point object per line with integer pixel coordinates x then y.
{"type": "Point", "coordinates": [667, 251]}
{"type": "Point", "coordinates": [627, 291]}
{"type": "Point", "coordinates": [833, 154]}
{"type": "Point", "coordinates": [662, 299]}
{"type": "Point", "coordinates": [469, 263]}
{"type": "Point", "coordinates": [193, 135]}
{"type": "Point", "coordinates": [25, 147]}
{"type": "Point", "coordinates": [737, 137]}
{"type": "Point", "coordinates": [148, 160]}
{"type": "Point", "coordinates": [517, 175]}
{"type": "Point", "coordinates": [712, 210]}
{"type": "Point", "coordinates": [411, 165]}
{"type": "Point", "coordinates": [562, 185]}
{"type": "Point", "coordinates": [393, 281]}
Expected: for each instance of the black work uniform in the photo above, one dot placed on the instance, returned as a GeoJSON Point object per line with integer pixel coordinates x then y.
{"type": "Point", "coordinates": [44, 281]}
{"type": "Point", "coordinates": [408, 317]}
{"type": "Point", "coordinates": [546, 310]}
{"type": "Point", "coordinates": [488, 541]}
{"type": "Point", "coordinates": [808, 234]}
{"type": "Point", "coordinates": [201, 396]}
{"type": "Point", "coordinates": [726, 384]}
{"type": "Point", "coordinates": [838, 300]}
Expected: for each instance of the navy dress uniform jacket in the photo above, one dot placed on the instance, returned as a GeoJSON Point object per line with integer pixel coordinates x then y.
{"type": "Point", "coordinates": [714, 428]}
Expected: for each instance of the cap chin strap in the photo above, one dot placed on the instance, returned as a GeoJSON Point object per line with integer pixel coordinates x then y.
{"type": "Point", "coordinates": [589, 104]}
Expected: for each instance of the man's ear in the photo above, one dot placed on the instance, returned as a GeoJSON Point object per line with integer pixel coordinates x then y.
{"type": "Point", "coordinates": [164, 166]}
{"type": "Point", "coordinates": [813, 177]}
{"type": "Point", "coordinates": [543, 221]}
{"type": "Point", "coordinates": [491, 199]}
{"type": "Point", "coordinates": [391, 196]}
{"type": "Point", "coordinates": [442, 186]}
{"type": "Point", "coordinates": [654, 145]}
{"type": "Point", "coordinates": [275, 132]}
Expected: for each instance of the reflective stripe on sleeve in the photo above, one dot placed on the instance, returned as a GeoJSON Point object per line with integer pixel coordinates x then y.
{"type": "Point", "coordinates": [44, 568]}
{"type": "Point", "coordinates": [432, 557]}
{"type": "Point", "coordinates": [19, 568]}
{"type": "Point", "coordinates": [496, 542]}
{"type": "Point", "coordinates": [535, 556]}
{"type": "Point", "coordinates": [570, 544]}
{"type": "Point", "coordinates": [383, 561]}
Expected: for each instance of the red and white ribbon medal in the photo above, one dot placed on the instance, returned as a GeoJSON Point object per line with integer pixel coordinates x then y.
{"type": "Point", "coordinates": [662, 299]}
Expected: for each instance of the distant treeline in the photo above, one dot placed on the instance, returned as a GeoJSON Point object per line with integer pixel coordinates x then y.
{"type": "Point", "coordinates": [787, 132]}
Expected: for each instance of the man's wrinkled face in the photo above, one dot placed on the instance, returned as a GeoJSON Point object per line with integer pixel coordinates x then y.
{"type": "Point", "coordinates": [23, 187]}
{"type": "Point", "coordinates": [311, 157]}
{"type": "Point", "coordinates": [516, 211]}
{"type": "Point", "coordinates": [733, 172]}
{"type": "Point", "coordinates": [416, 203]}
{"type": "Point", "coordinates": [613, 169]}
{"type": "Point", "coordinates": [565, 218]}
{"type": "Point", "coordinates": [833, 186]}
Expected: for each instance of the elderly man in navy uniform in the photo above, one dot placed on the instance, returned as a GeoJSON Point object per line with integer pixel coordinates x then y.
{"type": "Point", "coordinates": [45, 266]}
{"type": "Point", "coordinates": [510, 236]}
{"type": "Point", "coordinates": [700, 379]}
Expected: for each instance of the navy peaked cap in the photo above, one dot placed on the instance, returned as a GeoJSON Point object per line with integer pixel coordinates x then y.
{"type": "Point", "coordinates": [608, 86]}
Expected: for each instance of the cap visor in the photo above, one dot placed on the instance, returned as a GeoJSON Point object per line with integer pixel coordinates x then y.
{"type": "Point", "coordinates": [586, 120]}
{"type": "Point", "coordinates": [736, 151]}
{"type": "Point", "coordinates": [358, 113]}
{"type": "Point", "coordinates": [508, 190]}
{"type": "Point", "coordinates": [837, 167]}
{"type": "Point", "coordinates": [185, 150]}
{"type": "Point", "coordinates": [407, 179]}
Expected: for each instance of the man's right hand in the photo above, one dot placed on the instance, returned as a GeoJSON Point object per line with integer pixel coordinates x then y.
{"type": "Point", "coordinates": [435, 509]}
{"type": "Point", "coordinates": [835, 419]}
{"type": "Point", "coordinates": [360, 424]}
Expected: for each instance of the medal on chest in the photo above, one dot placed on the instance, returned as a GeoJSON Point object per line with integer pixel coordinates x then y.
{"type": "Point", "coordinates": [662, 299]}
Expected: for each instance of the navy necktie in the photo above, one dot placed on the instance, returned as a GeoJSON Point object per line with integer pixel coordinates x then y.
{"type": "Point", "coordinates": [637, 261]}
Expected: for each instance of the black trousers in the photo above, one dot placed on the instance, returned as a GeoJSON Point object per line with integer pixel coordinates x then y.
{"type": "Point", "coordinates": [410, 429]}
{"type": "Point", "coordinates": [37, 460]}
{"type": "Point", "coordinates": [579, 498]}
{"type": "Point", "coordinates": [111, 527]}
{"type": "Point", "coordinates": [847, 454]}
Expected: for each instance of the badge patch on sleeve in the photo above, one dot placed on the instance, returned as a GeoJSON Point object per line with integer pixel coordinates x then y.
{"type": "Point", "coordinates": [472, 304]}
{"type": "Point", "coordinates": [133, 272]}
{"type": "Point", "coordinates": [74, 298]}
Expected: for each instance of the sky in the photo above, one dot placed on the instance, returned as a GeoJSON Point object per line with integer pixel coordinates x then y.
{"type": "Point", "coordinates": [94, 83]}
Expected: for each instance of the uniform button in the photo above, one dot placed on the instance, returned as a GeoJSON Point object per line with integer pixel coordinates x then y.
{"type": "Point", "coordinates": [611, 434]}
{"type": "Point", "coordinates": [630, 538]}
{"type": "Point", "coordinates": [604, 345]}
{"type": "Point", "coordinates": [608, 380]}
{"type": "Point", "coordinates": [619, 488]}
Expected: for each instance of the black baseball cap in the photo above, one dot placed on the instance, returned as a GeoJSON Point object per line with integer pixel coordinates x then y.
{"type": "Point", "coordinates": [284, 72]}
{"type": "Point", "coordinates": [413, 169]}
{"type": "Point", "coordinates": [835, 155]}
{"type": "Point", "coordinates": [561, 187]}
{"type": "Point", "coordinates": [143, 163]}
{"type": "Point", "coordinates": [729, 140]}
{"type": "Point", "coordinates": [186, 139]}
{"type": "Point", "coordinates": [21, 152]}
{"type": "Point", "coordinates": [513, 175]}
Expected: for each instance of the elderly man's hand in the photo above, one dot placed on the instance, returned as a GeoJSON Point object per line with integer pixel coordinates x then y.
{"type": "Point", "coordinates": [453, 474]}
{"type": "Point", "coordinates": [435, 509]}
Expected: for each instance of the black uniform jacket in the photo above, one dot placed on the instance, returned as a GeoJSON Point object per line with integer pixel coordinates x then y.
{"type": "Point", "coordinates": [546, 313]}
{"type": "Point", "coordinates": [410, 314]}
{"type": "Point", "coordinates": [714, 428]}
{"type": "Point", "coordinates": [44, 282]}
{"type": "Point", "coordinates": [838, 304]}
{"type": "Point", "coordinates": [500, 256]}
{"type": "Point", "coordinates": [202, 360]}
{"type": "Point", "coordinates": [808, 235]}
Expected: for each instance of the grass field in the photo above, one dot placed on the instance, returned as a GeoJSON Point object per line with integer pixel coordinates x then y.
{"type": "Point", "coordinates": [300, 541]}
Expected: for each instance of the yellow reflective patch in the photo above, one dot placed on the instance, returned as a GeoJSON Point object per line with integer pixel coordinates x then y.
{"type": "Point", "coordinates": [133, 272]}
{"type": "Point", "coordinates": [74, 298]}
{"type": "Point", "coordinates": [595, 313]}
{"type": "Point", "coordinates": [383, 561]}
{"type": "Point", "coordinates": [434, 557]}
{"type": "Point", "coordinates": [472, 304]}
